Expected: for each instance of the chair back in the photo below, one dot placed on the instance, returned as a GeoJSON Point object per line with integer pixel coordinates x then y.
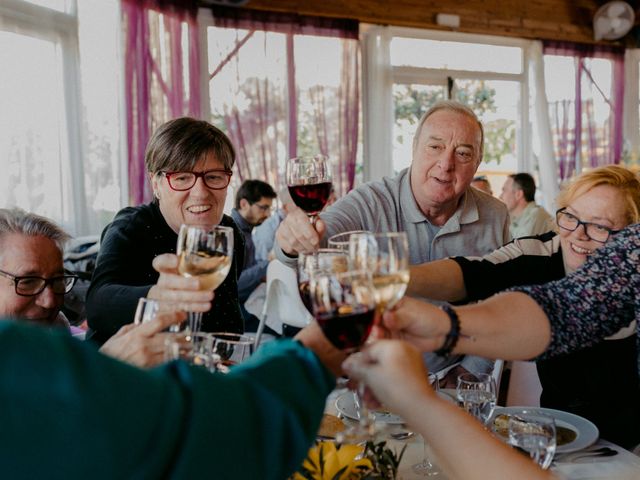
{"type": "Point", "coordinates": [282, 304]}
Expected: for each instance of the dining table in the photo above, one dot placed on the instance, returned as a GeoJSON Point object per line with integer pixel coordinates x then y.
{"type": "Point", "coordinates": [623, 466]}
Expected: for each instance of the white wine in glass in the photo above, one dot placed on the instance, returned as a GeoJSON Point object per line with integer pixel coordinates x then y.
{"type": "Point", "coordinates": [386, 256]}
{"type": "Point", "coordinates": [204, 252]}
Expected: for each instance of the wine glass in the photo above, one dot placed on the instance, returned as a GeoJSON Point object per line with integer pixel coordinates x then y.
{"type": "Point", "coordinates": [309, 183]}
{"type": "Point", "coordinates": [344, 307]}
{"type": "Point", "coordinates": [426, 467]}
{"type": "Point", "coordinates": [231, 349]}
{"type": "Point", "coordinates": [476, 393]}
{"type": "Point", "coordinates": [341, 240]}
{"type": "Point", "coordinates": [196, 350]}
{"type": "Point", "coordinates": [534, 432]}
{"type": "Point", "coordinates": [386, 256]}
{"type": "Point", "coordinates": [322, 259]}
{"type": "Point", "coordinates": [204, 252]}
{"type": "Point", "coordinates": [149, 309]}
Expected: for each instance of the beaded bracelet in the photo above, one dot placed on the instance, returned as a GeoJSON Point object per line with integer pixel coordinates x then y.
{"type": "Point", "coordinates": [451, 339]}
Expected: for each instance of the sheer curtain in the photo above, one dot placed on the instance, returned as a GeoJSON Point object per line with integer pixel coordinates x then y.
{"type": "Point", "coordinates": [283, 85]}
{"type": "Point", "coordinates": [162, 75]}
{"type": "Point", "coordinates": [580, 140]}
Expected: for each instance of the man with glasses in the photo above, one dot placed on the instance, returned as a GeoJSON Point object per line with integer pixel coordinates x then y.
{"type": "Point", "coordinates": [253, 206]}
{"type": "Point", "coordinates": [32, 278]}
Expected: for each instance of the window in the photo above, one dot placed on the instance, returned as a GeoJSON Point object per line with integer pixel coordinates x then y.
{"type": "Point", "coordinates": [280, 90]}
{"type": "Point", "coordinates": [489, 74]}
{"type": "Point", "coordinates": [486, 77]}
{"type": "Point", "coordinates": [59, 150]}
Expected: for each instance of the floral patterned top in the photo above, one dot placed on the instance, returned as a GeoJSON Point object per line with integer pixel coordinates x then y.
{"type": "Point", "coordinates": [595, 301]}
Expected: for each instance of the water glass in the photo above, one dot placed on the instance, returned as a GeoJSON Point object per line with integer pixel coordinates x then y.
{"type": "Point", "coordinates": [341, 240]}
{"type": "Point", "coordinates": [195, 349]}
{"type": "Point", "coordinates": [476, 393]}
{"type": "Point", "coordinates": [231, 349]}
{"type": "Point", "coordinates": [534, 433]}
{"type": "Point", "coordinates": [149, 309]}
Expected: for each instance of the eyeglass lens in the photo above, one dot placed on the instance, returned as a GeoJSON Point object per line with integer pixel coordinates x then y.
{"type": "Point", "coordinates": [593, 231]}
{"type": "Point", "coordinates": [35, 285]}
{"type": "Point", "coordinates": [186, 180]}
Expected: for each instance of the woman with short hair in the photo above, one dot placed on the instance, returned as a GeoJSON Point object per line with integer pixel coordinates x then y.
{"type": "Point", "coordinates": [189, 165]}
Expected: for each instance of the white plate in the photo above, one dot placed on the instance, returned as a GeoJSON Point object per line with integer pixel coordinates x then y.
{"type": "Point", "coordinates": [345, 404]}
{"type": "Point", "coordinates": [587, 432]}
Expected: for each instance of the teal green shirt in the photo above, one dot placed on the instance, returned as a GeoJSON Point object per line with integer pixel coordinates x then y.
{"type": "Point", "coordinates": [69, 412]}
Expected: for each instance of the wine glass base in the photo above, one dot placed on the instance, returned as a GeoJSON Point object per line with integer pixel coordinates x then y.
{"type": "Point", "coordinates": [426, 469]}
{"type": "Point", "coordinates": [356, 434]}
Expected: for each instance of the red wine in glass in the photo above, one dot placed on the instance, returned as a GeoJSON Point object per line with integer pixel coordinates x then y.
{"type": "Point", "coordinates": [311, 197]}
{"type": "Point", "coordinates": [305, 295]}
{"type": "Point", "coordinates": [309, 182]}
{"type": "Point", "coordinates": [349, 330]}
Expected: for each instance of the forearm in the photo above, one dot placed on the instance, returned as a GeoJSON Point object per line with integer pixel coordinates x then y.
{"type": "Point", "coordinates": [439, 280]}
{"type": "Point", "coordinates": [464, 449]}
{"type": "Point", "coordinates": [510, 326]}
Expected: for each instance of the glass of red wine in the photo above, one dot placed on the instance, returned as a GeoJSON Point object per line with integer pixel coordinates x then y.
{"type": "Point", "coordinates": [323, 259]}
{"type": "Point", "coordinates": [309, 183]}
{"type": "Point", "coordinates": [344, 305]}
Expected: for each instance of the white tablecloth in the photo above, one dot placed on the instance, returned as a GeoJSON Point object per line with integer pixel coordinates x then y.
{"type": "Point", "coordinates": [624, 466]}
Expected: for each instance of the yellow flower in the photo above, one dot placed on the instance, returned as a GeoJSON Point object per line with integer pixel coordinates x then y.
{"type": "Point", "coordinates": [325, 462]}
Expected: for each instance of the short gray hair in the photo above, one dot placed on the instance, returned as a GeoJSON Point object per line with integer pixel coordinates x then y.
{"type": "Point", "coordinates": [451, 106]}
{"type": "Point", "coordinates": [16, 220]}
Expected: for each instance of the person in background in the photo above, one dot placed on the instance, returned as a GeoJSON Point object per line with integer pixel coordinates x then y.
{"type": "Point", "coordinates": [332, 197]}
{"type": "Point", "coordinates": [527, 218]}
{"type": "Point", "coordinates": [264, 235]}
{"type": "Point", "coordinates": [594, 207]}
{"type": "Point", "coordinates": [254, 201]}
{"type": "Point", "coordinates": [432, 201]}
{"type": "Point", "coordinates": [481, 183]}
{"type": "Point", "coordinates": [189, 165]}
{"type": "Point", "coordinates": [33, 284]}
{"type": "Point", "coordinates": [175, 422]}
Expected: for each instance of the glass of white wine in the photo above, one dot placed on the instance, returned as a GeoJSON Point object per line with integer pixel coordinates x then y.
{"type": "Point", "coordinates": [386, 256]}
{"type": "Point", "coordinates": [204, 252]}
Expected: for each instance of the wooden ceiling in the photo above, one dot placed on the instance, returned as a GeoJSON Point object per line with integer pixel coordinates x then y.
{"type": "Point", "coordinates": [569, 20]}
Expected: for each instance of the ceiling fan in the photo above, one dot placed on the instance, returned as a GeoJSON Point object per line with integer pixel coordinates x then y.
{"type": "Point", "coordinates": [613, 20]}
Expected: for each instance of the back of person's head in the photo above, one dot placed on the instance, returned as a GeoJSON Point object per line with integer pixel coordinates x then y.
{"type": "Point", "coordinates": [616, 176]}
{"type": "Point", "coordinates": [526, 183]}
{"type": "Point", "coordinates": [452, 106]}
{"type": "Point", "coordinates": [482, 183]}
{"type": "Point", "coordinates": [178, 145]}
{"type": "Point", "coordinates": [253, 190]}
{"type": "Point", "coordinates": [17, 221]}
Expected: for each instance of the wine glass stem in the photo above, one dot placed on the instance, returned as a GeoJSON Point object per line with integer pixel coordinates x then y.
{"type": "Point", "coordinates": [365, 419]}
{"type": "Point", "coordinates": [195, 321]}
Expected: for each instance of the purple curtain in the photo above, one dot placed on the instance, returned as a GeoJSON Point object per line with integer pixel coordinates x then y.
{"type": "Point", "coordinates": [156, 67]}
{"type": "Point", "coordinates": [273, 121]}
{"type": "Point", "coordinates": [578, 137]}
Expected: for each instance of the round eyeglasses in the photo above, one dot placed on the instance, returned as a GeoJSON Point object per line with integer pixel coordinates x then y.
{"type": "Point", "coordinates": [597, 233]}
{"type": "Point", "coordinates": [216, 179]}
{"type": "Point", "coordinates": [30, 285]}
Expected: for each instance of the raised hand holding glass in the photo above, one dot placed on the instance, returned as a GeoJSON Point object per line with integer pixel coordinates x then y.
{"type": "Point", "coordinates": [206, 253]}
